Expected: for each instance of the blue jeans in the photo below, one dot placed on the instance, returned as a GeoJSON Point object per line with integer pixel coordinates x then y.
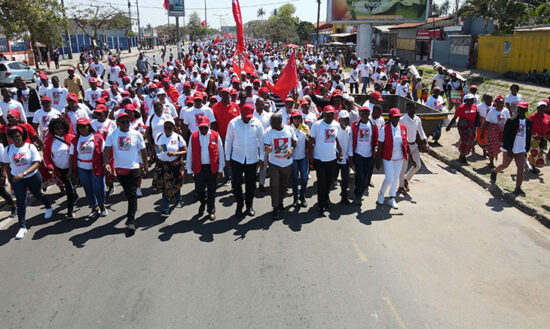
{"type": "Point", "coordinates": [363, 173]}
{"type": "Point", "coordinates": [299, 168]}
{"type": "Point", "coordinates": [366, 83]}
{"type": "Point", "coordinates": [34, 184]}
{"type": "Point", "coordinates": [165, 203]}
{"type": "Point", "coordinates": [93, 186]}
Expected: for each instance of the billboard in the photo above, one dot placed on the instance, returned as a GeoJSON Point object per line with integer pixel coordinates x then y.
{"type": "Point", "coordinates": [376, 11]}
{"type": "Point", "coordinates": [176, 8]}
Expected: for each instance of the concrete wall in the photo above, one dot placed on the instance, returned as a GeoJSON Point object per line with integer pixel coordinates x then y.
{"type": "Point", "coordinates": [520, 53]}
{"type": "Point", "coordinates": [441, 51]}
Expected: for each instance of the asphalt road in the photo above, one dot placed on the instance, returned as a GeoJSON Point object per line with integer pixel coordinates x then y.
{"type": "Point", "coordinates": [452, 256]}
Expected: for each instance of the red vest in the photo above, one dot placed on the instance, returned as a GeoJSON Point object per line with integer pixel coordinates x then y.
{"type": "Point", "coordinates": [355, 131]}
{"type": "Point", "coordinates": [212, 152]}
{"type": "Point", "coordinates": [387, 149]}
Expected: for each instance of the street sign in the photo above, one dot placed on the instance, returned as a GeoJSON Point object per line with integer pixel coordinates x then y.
{"type": "Point", "coordinates": [176, 8]}
{"type": "Point", "coordinates": [377, 11]}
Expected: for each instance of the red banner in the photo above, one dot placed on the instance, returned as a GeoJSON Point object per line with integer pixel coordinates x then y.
{"type": "Point", "coordinates": [165, 4]}
{"type": "Point", "coordinates": [203, 23]}
{"type": "Point", "coordinates": [287, 80]}
{"type": "Point", "coordinates": [239, 22]}
{"type": "Point", "coordinates": [241, 63]}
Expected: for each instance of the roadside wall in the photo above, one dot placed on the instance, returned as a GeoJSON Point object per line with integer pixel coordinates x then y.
{"type": "Point", "coordinates": [521, 52]}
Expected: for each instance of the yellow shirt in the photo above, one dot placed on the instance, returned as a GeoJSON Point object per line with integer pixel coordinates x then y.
{"type": "Point", "coordinates": [74, 85]}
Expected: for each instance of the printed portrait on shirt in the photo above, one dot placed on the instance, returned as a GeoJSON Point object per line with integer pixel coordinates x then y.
{"type": "Point", "coordinates": [124, 143]}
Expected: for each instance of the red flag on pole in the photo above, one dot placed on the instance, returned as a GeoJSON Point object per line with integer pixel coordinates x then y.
{"type": "Point", "coordinates": [287, 80]}
{"type": "Point", "coordinates": [217, 40]}
{"type": "Point", "coordinates": [239, 21]}
{"type": "Point", "coordinates": [165, 5]}
{"type": "Point", "coordinates": [241, 63]}
{"type": "Point", "coordinates": [203, 23]}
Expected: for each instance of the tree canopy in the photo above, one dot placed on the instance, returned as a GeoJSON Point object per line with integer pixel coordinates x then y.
{"type": "Point", "coordinates": [280, 26]}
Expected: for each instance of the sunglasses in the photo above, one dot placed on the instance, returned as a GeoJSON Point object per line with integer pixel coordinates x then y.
{"type": "Point", "coordinates": [124, 122]}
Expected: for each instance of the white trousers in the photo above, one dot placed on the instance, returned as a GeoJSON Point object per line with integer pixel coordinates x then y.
{"type": "Point", "coordinates": [392, 170]}
{"type": "Point", "coordinates": [408, 175]}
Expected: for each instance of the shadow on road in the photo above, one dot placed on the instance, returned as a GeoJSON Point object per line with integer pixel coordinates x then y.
{"type": "Point", "coordinates": [99, 232]}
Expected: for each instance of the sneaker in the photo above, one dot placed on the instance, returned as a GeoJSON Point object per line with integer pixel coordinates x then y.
{"type": "Point", "coordinates": [295, 204]}
{"type": "Point", "coordinates": [275, 213]}
{"type": "Point", "coordinates": [493, 177]}
{"type": "Point", "coordinates": [358, 200]}
{"type": "Point", "coordinates": [180, 204]}
{"type": "Point", "coordinates": [70, 216]}
{"type": "Point", "coordinates": [303, 202]}
{"type": "Point", "coordinates": [164, 213]}
{"type": "Point", "coordinates": [261, 188]}
{"type": "Point", "coordinates": [202, 207]}
{"type": "Point", "coordinates": [104, 211]}
{"type": "Point", "coordinates": [21, 233]}
{"type": "Point", "coordinates": [345, 201]}
{"type": "Point", "coordinates": [406, 185]}
{"type": "Point", "coordinates": [94, 214]}
{"type": "Point", "coordinates": [48, 214]}
{"type": "Point", "coordinates": [518, 191]}
{"type": "Point", "coordinates": [380, 200]}
{"type": "Point", "coordinates": [138, 192]}
{"type": "Point", "coordinates": [392, 203]}
{"type": "Point", "coordinates": [13, 212]}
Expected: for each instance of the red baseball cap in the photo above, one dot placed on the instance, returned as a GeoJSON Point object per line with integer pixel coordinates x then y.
{"type": "Point", "coordinates": [377, 96]}
{"type": "Point", "coordinates": [125, 93]}
{"type": "Point", "coordinates": [523, 105]}
{"type": "Point", "coordinates": [100, 108]}
{"type": "Point", "coordinates": [100, 100]}
{"type": "Point", "coordinates": [15, 113]}
{"type": "Point", "coordinates": [247, 110]}
{"type": "Point", "coordinates": [72, 97]}
{"type": "Point", "coordinates": [395, 112]}
{"type": "Point", "coordinates": [70, 68]}
{"type": "Point", "coordinates": [122, 115]}
{"type": "Point", "coordinates": [234, 92]}
{"type": "Point", "coordinates": [92, 80]}
{"type": "Point", "coordinates": [224, 90]}
{"type": "Point", "coordinates": [289, 99]}
{"type": "Point", "coordinates": [105, 93]}
{"type": "Point", "coordinates": [45, 99]}
{"type": "Point", "coordinates": [296, 113]}
{"type": "Point", "coordinates": [129, 107]}
{"type": "Point", "coordinates": [263, 90]}
{"type": "Point", "coordinates": [473, 87]}
{"type": "Point", "coordinates": [364, 108]}
{"type": "Point", "coordinates": [328, 109]}
{"type": "Point", "coordinates": [304, 101]}
{"type": "Point", "coordinates": [152, 86]}
{"type": "Point", "coordinates": [83, 121]}
{"type": "Point", "coordinates": [203, 121]}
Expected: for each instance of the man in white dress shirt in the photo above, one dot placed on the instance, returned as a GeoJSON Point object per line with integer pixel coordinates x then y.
{"type": "Point", "coordinates": [244, 151]}
{"type": "Point", "coordinates": [414, 127]}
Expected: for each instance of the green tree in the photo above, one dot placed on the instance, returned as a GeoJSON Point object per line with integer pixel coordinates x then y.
{"type": "Point", "coordinates": [121, 21]}
{"type": "Point", "coordinates": [304, 30]}
{"type": "Point", "coordinates": [194, 27]}
{"type": "Point", "coordinates": [95, 18]}
{"type": "Point", "coordinates": [37, 20]}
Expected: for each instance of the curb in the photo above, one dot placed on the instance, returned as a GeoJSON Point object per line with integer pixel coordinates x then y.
{"type": "Point", "coordinates": [63, 67]}
{"type": "Point", "coordinates": [494, 189]}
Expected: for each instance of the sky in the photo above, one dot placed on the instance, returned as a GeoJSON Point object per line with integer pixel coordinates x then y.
{"type": "Point", "coordinates": [152, 12]}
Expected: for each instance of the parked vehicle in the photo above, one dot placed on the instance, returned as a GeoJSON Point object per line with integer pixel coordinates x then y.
{"type": "Point", "coordinates": [11, 69]}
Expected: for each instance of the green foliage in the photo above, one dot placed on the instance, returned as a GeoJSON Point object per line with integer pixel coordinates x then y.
{"type": "Point", "coordinates": [261, 13]}
{"type": "Point", "coordinates": [194, 27]}
{"type": "Point", "coordinates": [508, 14]}
{"type": "Point", "coordinates": [304, 30]}
{"type": "Point", "coordinates": [41, 19]}
{"type": "Point", "coordinates": [96, 18]}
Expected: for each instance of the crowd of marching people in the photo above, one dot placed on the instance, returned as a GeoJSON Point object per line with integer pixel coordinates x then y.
{"type": "Point", "coordinates": [213, 117]}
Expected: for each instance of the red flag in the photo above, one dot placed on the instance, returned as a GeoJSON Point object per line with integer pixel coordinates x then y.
{"type": "Point", "coordinates": [165, 5]}
{"type": "Point", "coordinates": [239, 21]}
{"type": "Point", "coordinates": [203, 23]}
{"type": "Point", "coordinates": [287, 80]}
{"type": "Point", "coordinates": [217, 40]}
{"type": "Point", "coordinates": [267, 45]}
{"type": "Point", "coordinates": [241, 63]}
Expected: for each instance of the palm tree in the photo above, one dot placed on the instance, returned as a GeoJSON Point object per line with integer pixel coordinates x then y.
{"type": "Point", "coordinates": [261, 13]}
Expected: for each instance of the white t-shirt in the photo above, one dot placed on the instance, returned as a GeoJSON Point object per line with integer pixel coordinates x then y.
{"type": "Point", "coordinates": [402, 90]}
{"type": "Point", "coordinates": [280, 142]}
{"type": "Point", "coordinates": [397, 154]}
{"type": "Point", "coordinates": [325, 140]}
{"type": "Point", "coordinates": [364, 69]}
{"type": "Point", "coordinates": [43, 118]}
{"type": "Point", "coordinates": [300, 149]}
{"type": "Point", "coordinates": [346, 143]}
{"type": "Point", "coordinates": [364, 139]}
{"type": "Point", "coordinates": [498, 117]}
{"type": "Point", "coordinates": [98, 67]}
{"type": "Point", "coordinates": [12, 105]}
{"type": "Point", "coordinates": [483, 109]}
{"type": "Point", "coordinates": [21, 158]}
{"type": "Point", "coordinates": [156, 123]}
{"type": "Point", "coordinates": [81, 112]}
{"type": "Point", "coordinates": [190, 117]}
{"type": "Point", "coordinates": [113, 73]}
{"type": "Point", "coordinates": [519, 141]}
{"type": "Point", "coordinates": [91, 96]}
{"type": "Point", "coordinates": [60, 153]}
{"type": "Point", "coordinates": [59, 98]}
{"type": "Point", "coordinates": [85, 151]}
{"type": "Point", "coordinates": [104, 127]}
{"type": "Point", "coordinates": [513, 101]}
{"type": "Point", "coordinates": [169, 109]}
{"type": "Point", "coordinates": [126, 148]}
{"type": "Point", "coordinates": [165, 144]}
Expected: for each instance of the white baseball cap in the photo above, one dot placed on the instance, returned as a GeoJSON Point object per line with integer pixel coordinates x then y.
{"type": "Point", "coordinates": [343, 114]}
{"type": "Point", "coordinates": [469, 96]}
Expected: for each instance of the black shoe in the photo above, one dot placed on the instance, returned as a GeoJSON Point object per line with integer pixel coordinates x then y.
{"type": "Point", "coordinates": [262, 188]}
{"type": "Point", "coordinates": [322, 210]}
{"type": "Point", "coordinates": [371, 185]}
{"type": "Point", "coordinates": [201, 208]}
{"type": "Point", "coordinates": [13, 212]}
{"type": "Point", "coordinates": [165, 213]}
{"type": "Point", "coordinates": [303, 202]}
{"type": "Point", "coordinates": [180, 204]}
{"type": "Point", "coordinates": [493, 177]}
{"type": "Point", "coordinates": [239, 210]}
{"type": "Point", "coordinates": [275, 213]}
{"type": "Point", "coordinates": [109, 190]}
{"type": "Point", "coordinates": [70, 216]}
{"type": "Point", "coordinates": [345, 201]}
{"type": "Point", "coordinates": [281, 207]}
{"type": "Point", "coordinates": [295, 204]}
{"type": "Point", "coordinates": [518, 191]}
{"type": "Point", "coordinates": [250, 212]}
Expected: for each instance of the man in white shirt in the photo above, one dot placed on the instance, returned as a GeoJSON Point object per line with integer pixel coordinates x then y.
{"type": "Point", "coordinates": [326, 149]}
{"type": "Point", "coordinates": [98, 67]}
{"type": "Point", "coordinates": [58, 95]}
{"type": "Point", "coordinates": [43, 116]}
{"type": "Point", "coordinates": [92, 94]}
{"type": "Point", "coordinates": [8, 104]}
{"type": "Point", "coordinates": [414, 127]}
{"type": "Point", "coordinates": [404, 89]}
{"type": "Point", "coordinates": [205, 167]}
{"type": "Point", "coordinates": [244, 152]}
{"type": "Point", "coordinates": [189, 117]}
{"type": "Point", "coordinates": [345, 140]}
{"type": "Point", "coordinates": [364, 70]}
{"type": "Point", "coordinates": [364, 139]}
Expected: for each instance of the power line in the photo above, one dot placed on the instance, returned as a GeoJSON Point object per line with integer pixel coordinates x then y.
{"type": "Point", "coordinates": [200, 8]}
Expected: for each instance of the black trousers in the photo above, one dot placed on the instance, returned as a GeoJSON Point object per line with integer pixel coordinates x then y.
{"type": "Point", "coordinates": [249, 172]}
{"type": "Point", "coordinates": [69, 188]}
{"type": "Point", "coordinates": [327, 172]}
{"type": "Point", "coordinates": [344, 179]}
{"type": "Point", "coordinates": [129, 185]}
{"type": "Point", "coordinates": [203, 181]}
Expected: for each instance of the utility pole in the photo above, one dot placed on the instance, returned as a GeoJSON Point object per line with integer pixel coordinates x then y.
{"type": "Point", "coordinates": [130, 28]}
{"type": "Point", "coordinates": [220, 16]}
{"type": "Point", "coordinates": [318, 16]}
{"type": "Point", "coordinates": [139, 25]}
{"type": "Point", "coordinates": [205, 17]}
{"type": "Point", "coordinates": [67, 36]}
